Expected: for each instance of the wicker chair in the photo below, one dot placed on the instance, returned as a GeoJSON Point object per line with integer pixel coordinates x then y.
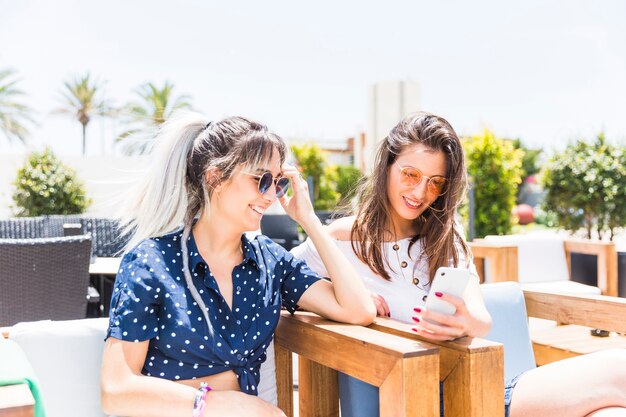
{"type": "Point", "coordinates": [54, 223]}
{"type": "Point", "coordinates": [107, 239]}
{"type": "Point", "coordinates": [43, 278]}
{"type": "Point", "coordinates": [23, 228]}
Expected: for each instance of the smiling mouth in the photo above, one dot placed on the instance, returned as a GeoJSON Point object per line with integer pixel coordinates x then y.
{"type": "Point", "coordinates": [257, 209]}
{"type": "Point", "coordinates": [412, 203]}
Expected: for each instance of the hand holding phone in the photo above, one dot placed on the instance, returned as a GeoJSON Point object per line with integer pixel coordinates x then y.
{"type": "Point", "coordinates": [447, 281]}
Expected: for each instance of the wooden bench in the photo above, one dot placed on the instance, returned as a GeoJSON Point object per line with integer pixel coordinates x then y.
{"type": "Point", "coordinates": [503, 264]}
{"type": "Point", "coordinates": [407, 371]}
{"type": "Point", "coordinates": [471, 370]}
{"type": "Point", "coordinates": [577, 315]}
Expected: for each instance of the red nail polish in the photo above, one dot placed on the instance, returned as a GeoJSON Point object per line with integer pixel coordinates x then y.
{"type": "Point", "coordinates": [416, 319]}
{"type": "Point", "coordinates": [417, 310]}
{"type": "Point", "coordinates": [388, 314]}
{"type": "Point", "coordinates": [414, 329]}
{"type": "Point", "coordinates": [438, 294]}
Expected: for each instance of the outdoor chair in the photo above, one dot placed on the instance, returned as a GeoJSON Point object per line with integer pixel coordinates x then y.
{"type": "Point", "coordinates": [281, 229]}
{"type": "Point", "coordinates": [66, 357]}
{"type": "Point", "coordinates": [55, 224]}
{"type": "Point", "coordinates": [544, 262]}
{"type": "Point", "coordinates": [473, 369]}
{"type": "Point", "coordinates": [107, 238]}
{"type": "Point", "coordinates": [43, 278]}
{"type": "Point", "coordinates": [23, 228]}
{"type": "Point", "coordinates": [327, 217]}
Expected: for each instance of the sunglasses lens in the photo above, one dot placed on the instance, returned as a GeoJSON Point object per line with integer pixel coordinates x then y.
{"type": "Point", "coordinates": [437, 185]}
{"type": "Point", "coordinates": [282, 185]}
{"type": "Point", "coordinates": [411, 176]}
{"type": "Point", "coordinates": [265, 182]}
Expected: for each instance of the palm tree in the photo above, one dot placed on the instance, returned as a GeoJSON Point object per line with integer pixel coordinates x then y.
{"type": "Point", "coordinates": [155, 107]}
{"type": "Point", "coordinates": [14, 116]}
{"type": "Point", "coordinates": [81, 99]}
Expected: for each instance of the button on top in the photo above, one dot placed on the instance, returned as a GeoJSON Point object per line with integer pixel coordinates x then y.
{"type": "Point", "coordinates": [239, 357]}
{"type": "Point", "coordinates": [396, 247]}
{"type": "Point", "coordinates": [238, 289]}
{"type": "Point", "coordinates": [416, 280]}
{"type": "Point", "coordinates": [403, 264]}
{"type": "Point", "coordinates": [424, 298]}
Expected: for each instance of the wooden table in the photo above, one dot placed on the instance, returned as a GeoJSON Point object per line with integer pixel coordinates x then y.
{"type": "Point", "coordinates": [571, 340]}
{"type": "Point", "coordinates": [105, 266]}
{"type": "Point", "coordinates": [102, 273]}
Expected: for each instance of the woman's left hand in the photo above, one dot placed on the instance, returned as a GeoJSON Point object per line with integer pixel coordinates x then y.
{"type": "Point", "coordinates": [298, 206]}
{"type": "Point", "coordinates": [447, 327]}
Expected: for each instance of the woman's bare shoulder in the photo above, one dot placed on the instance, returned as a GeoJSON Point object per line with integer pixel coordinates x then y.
{"type": "Point", "coordinates": [340, 229]}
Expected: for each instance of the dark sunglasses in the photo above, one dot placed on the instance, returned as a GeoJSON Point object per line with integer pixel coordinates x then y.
{"type": "Point", "coordinates": [266, 180]}
{"type": "Point", "coordinates": [411, 177]}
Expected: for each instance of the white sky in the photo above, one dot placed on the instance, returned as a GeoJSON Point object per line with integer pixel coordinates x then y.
{"type": "Point", "coordinates": [545, 71]}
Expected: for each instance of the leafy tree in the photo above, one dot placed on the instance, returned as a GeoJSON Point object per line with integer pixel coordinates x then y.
{"type": "Point", "coordinates": [530, 160]}
{"type": "Point", "coordinates": [44, 185]}
{"type": "Point", "coordinates": [348, 178]}
{"type": "Point", "coordinates": [155, 106]}
{"type": "Point", "coordinates": [14, 116]}
{"type": "Point", "coordinates": [332, 184]}
{"type": "Point", "coordinates": [311, 161]}
{"type": "Point", "coordinates": [82, 98]}
{"type": "Point", "coordinates": [494, 166]}
{"type": "Point", "coordinates": [586, 187]}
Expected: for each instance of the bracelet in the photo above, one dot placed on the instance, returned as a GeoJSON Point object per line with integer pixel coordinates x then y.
{"type": "Point", "coordinates": [198, 402]}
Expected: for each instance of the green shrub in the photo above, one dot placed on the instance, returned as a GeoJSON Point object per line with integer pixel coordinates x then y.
{"type": "Point", "coordinates": [586, 187]}
{"type": "Point", "coordinates": [348, 178]}
{"type": "Point", "coordinates": [44, 185]}
{"type": "Point", "coordinates": [333, 185]}
{"type": "Point", "coordinates": [495, 168]}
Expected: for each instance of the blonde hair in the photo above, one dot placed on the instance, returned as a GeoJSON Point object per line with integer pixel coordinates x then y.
{"type": "Point", "coordinates": [174, 189]}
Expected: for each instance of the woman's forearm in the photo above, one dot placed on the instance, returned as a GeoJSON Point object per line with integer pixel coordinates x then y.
{"type": "Point", "coordinates": [138, 395]}
{"type": "Point", "coordinates": [351, 294]}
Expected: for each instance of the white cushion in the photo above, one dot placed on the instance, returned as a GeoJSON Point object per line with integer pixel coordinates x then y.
{"type": "Point", "coordinates": [66, 357]}
{"type": "Point", "coordinates": [267, 385]}
{"type": "Point", "coordinates": [541, 258]}
{"type": "Point", "coordinates": [505, 302]}
{"type": "Point", "coordinates": [570, 287]}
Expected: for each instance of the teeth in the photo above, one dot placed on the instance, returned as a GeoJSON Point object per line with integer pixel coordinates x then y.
{"type": "Point", "coordinates": [411, 203]}
{"type": "Point", "coordinates": [258, 209]}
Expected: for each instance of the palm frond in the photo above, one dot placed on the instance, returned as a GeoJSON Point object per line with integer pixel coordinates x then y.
{"type": "Point", "coordinates": [15, 117]}
{"type": "Point", "coordinates": [156, 105]}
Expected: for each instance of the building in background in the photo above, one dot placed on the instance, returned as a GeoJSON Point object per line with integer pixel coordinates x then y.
{"type": "Point", "coordinates": [337, 151]}
{"type": "Point", "coordinates": [388, 102]}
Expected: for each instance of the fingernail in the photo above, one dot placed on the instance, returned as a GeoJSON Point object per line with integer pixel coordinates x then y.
{"type": "Point", "coordinates": [417, 310]}
{"type": "Point", "coordinates": [438, 294]}
{"type": "Point", "coordinates": [414, 329]}
{"type": "Point", "coordinates": [416, 319]}
{"type": "Point", "coordinates": [388, 314]}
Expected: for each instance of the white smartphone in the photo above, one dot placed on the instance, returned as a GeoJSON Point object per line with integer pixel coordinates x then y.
{"type": "Point", "coordinates": [448, 281]}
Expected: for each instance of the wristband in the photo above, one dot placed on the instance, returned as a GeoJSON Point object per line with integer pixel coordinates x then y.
{"type": "Point", "coordinates": [198, 402]}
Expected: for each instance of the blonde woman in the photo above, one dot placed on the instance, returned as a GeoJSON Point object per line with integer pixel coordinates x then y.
{"type": "Point", "coordinates": [196, 301]}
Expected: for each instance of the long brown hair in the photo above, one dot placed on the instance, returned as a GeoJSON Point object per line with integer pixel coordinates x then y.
{"type": "Point", "coordinates": [441, 239]}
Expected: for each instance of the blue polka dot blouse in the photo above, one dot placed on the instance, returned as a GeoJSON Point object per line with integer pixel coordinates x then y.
{"type": "Point", "coordinates": [151, 301]}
